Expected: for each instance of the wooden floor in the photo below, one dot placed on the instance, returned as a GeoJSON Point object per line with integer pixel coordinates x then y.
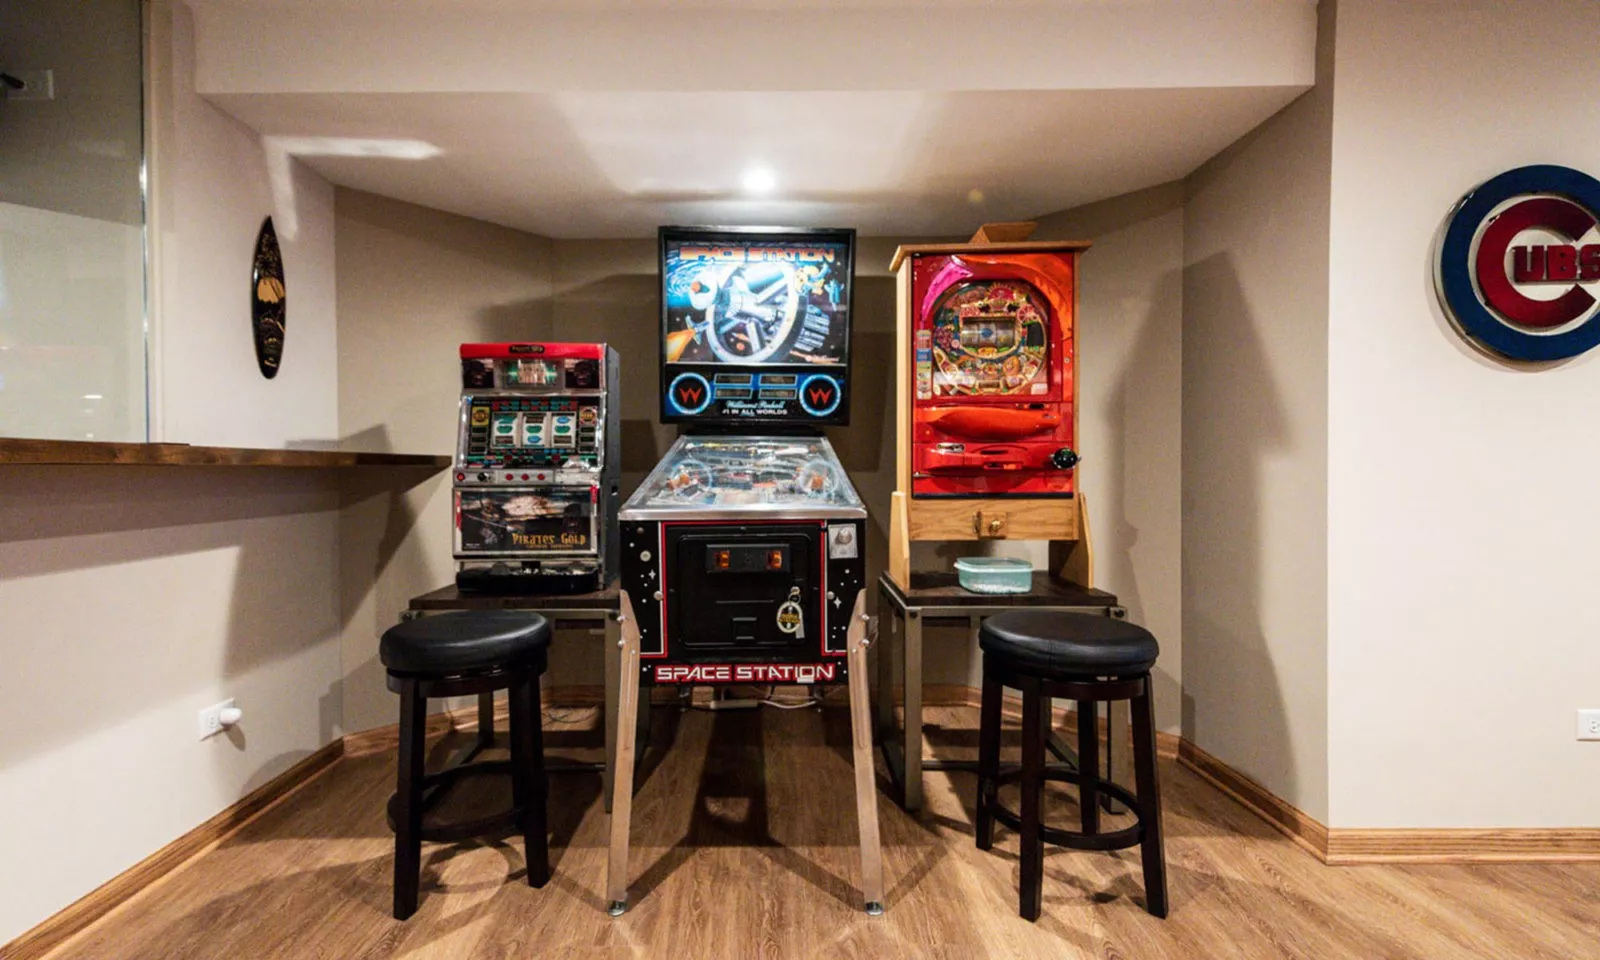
{"type": "Point", "coordinates": [744, 846]}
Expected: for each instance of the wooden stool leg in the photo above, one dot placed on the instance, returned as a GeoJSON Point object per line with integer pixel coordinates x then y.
{"type": "Point", "coordinates": [622, 776]}
{"type": "Point", "coordinates": [1033, 733]}
{"type": "Point", "coordinates": [528, 785]}
{"type": "Point", "coordinates": [1149, 794]}
{"type": "Point", "coordinates": [1089, 764]}
{"type": "Point", "coordinates": [988, 758]}
{"type": "Point", "coordinates": [408, 790]}
{"type": "Point", "coordinates": [861, 744]}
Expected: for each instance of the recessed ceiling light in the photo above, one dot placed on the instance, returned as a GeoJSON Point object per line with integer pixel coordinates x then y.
{"type": "Point", "coordinates": [759, 180]}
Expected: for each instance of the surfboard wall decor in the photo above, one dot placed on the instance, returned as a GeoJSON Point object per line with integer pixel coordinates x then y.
{"type": "Point", "coordinates": [268, 301]}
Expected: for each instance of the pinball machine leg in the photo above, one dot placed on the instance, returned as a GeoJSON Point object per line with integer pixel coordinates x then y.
{"type": "Point", "coordinates": [622, 774]}
{"type": "Point", "coordinates": [608, 718]}
{"type": "Point", "coordinates": [861, 741]}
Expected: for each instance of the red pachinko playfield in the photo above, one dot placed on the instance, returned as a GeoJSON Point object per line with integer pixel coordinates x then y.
{"type": "Point", "coordinates": [992, 390]}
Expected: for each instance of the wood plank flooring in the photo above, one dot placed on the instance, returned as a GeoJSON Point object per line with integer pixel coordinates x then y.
{"type": "Point", "coordinates": [744, 846]}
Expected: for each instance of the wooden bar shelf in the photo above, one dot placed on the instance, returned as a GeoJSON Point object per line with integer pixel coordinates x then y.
{"type": "Point", "coordinates": [15, 452]}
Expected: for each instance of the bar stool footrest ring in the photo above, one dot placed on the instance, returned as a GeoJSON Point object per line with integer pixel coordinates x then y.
{"type": "Point", "coordinates": [435, 785]}
{"type": "Point", "coordinates": [1074, 839]}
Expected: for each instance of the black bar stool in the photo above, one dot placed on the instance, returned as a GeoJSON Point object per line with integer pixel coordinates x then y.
{"type": "Point", "coordinates": [1087, 658]}
{"type": "Point", "coordinates": [455, 654]}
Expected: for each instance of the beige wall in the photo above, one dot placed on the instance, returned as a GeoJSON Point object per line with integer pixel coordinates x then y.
{"type": "Point", "coordinates": [131, 598]}
{"type": "Point", "coordinates": [1255, 448]}
{"type": "Point", "coordinates": [1462, 528]}
{"type": "Point", "coordinates": [211, 186]}
{"type": "Point", "coordinates": [413, 285]}
{"type": "Point", "coordinates": [1130, 356]}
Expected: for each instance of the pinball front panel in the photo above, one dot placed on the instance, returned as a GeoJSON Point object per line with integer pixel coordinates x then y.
{"type": "Point", "coordinates": [742, 557]}
{"type": "Point", "coordinates": [992, 382]}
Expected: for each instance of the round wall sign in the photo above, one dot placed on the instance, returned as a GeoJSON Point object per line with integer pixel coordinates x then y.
{"type": "Point", "coordinates": [1514, 273]}
{"type": "Point", "coordinates": [268, 301]}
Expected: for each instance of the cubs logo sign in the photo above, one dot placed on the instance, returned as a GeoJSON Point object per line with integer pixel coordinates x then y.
{"type": "Point", "coordinates": [1518, 266]}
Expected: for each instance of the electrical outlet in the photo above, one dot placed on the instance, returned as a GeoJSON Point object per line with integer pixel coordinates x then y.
{"type": "Point", "coordinates": [211, 718]}
{"type": "Point", "coordinates": [36, 85]}
{"type": "Point", "coordinates": [1589, 724]}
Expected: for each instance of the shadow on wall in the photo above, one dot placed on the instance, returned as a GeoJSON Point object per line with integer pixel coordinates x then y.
{"type": "Point", "coordinates": [1233, 423]}
{"type": "Point", "coordinates": [118, 594]}
{"type": "Point", "coordinates": [621, 309]}
{"type": "Point", "coordinates": [379, 511]}
{"type": "Point", "coordinates": [1115, 569]}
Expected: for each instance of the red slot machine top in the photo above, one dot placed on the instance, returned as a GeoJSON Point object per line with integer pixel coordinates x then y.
{"type": "Point", "coordinates": [992, 382]}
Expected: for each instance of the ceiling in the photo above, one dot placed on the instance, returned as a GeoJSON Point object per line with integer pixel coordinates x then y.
{"type": "Point", "coordinates": [607, 119]}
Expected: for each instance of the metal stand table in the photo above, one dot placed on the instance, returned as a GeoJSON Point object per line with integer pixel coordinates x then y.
{"type": "Point", "coordinates": [575, 609]}
{"type": "Point", "coordinates": [937, 596]}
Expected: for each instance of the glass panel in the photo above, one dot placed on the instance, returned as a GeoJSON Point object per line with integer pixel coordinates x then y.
{"type": "Point", "coordinates": [756, 473]}
{"type": "Point", "coordinates": [72, 343]}
{"type": "Point", "coordinates": [990, 337]}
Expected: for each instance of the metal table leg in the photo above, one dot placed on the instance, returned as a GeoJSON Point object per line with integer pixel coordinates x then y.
{"type": "Point", "coordinates": [883, 708]}
{"type": "Point", "coordinates": [911, 783]}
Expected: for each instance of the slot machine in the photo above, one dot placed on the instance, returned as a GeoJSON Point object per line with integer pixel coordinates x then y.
{"type": "Point", "coordinates": [992, 358]}
{"type": "Point", "coordinates": [537, 464]}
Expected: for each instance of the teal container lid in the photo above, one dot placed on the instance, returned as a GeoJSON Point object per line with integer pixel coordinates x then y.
{"type": "Point", "coordinates": [993, 565]}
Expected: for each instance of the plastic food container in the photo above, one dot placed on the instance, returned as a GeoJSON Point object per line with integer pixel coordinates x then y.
{"type": "Point", "coordinates": [994, 574]}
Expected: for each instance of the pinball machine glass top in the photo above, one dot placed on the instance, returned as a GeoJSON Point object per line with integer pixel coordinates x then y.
{"type": "Point", "coordinates": [788, 475]}
{"type": "Point", "coordinates": [755, 325]}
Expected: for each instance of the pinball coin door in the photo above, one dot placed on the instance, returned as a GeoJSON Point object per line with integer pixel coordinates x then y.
{"type": "Point", "coordinates": [992, 385]}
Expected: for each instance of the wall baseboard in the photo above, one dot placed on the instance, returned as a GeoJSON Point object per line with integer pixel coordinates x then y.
{"type": "Point", "coordinates": [1294, 823]}
{"type": "Point", "coordinates": [1349, 846]}
{"type": "Point", "coordinates": [1511, 845]}
{"type": "Point", "coordinates": [79, 915]}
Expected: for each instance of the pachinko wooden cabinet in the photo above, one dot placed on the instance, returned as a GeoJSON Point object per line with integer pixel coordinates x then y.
{"type": "Point", "coordinates": [987, 413]}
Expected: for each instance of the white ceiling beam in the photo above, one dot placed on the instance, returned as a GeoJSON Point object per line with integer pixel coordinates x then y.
{"type": "Point", "coordinates": [407, 47]}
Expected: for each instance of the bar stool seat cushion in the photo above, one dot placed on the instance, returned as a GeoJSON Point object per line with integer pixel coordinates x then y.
{"type": "Point", "coordinates": [465, 641]}
{"type": "Point", "coordinates": [1069, 644]}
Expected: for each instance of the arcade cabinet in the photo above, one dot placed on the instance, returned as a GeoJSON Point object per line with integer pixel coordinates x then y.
{"type": "Point", "coordinates": [743, 556]}
{"type": "Point", "coordinates": [537, 464]}
{"type": "Point", "coordinates": [986, 422]}
{"type": "Point", "coordinates": [986, 418]}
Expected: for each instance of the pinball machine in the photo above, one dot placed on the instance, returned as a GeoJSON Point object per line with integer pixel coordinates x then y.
{"type": "Point", "coordinates": [537, 465]}
{"type": "Point", "coordinates": [743, 554]}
